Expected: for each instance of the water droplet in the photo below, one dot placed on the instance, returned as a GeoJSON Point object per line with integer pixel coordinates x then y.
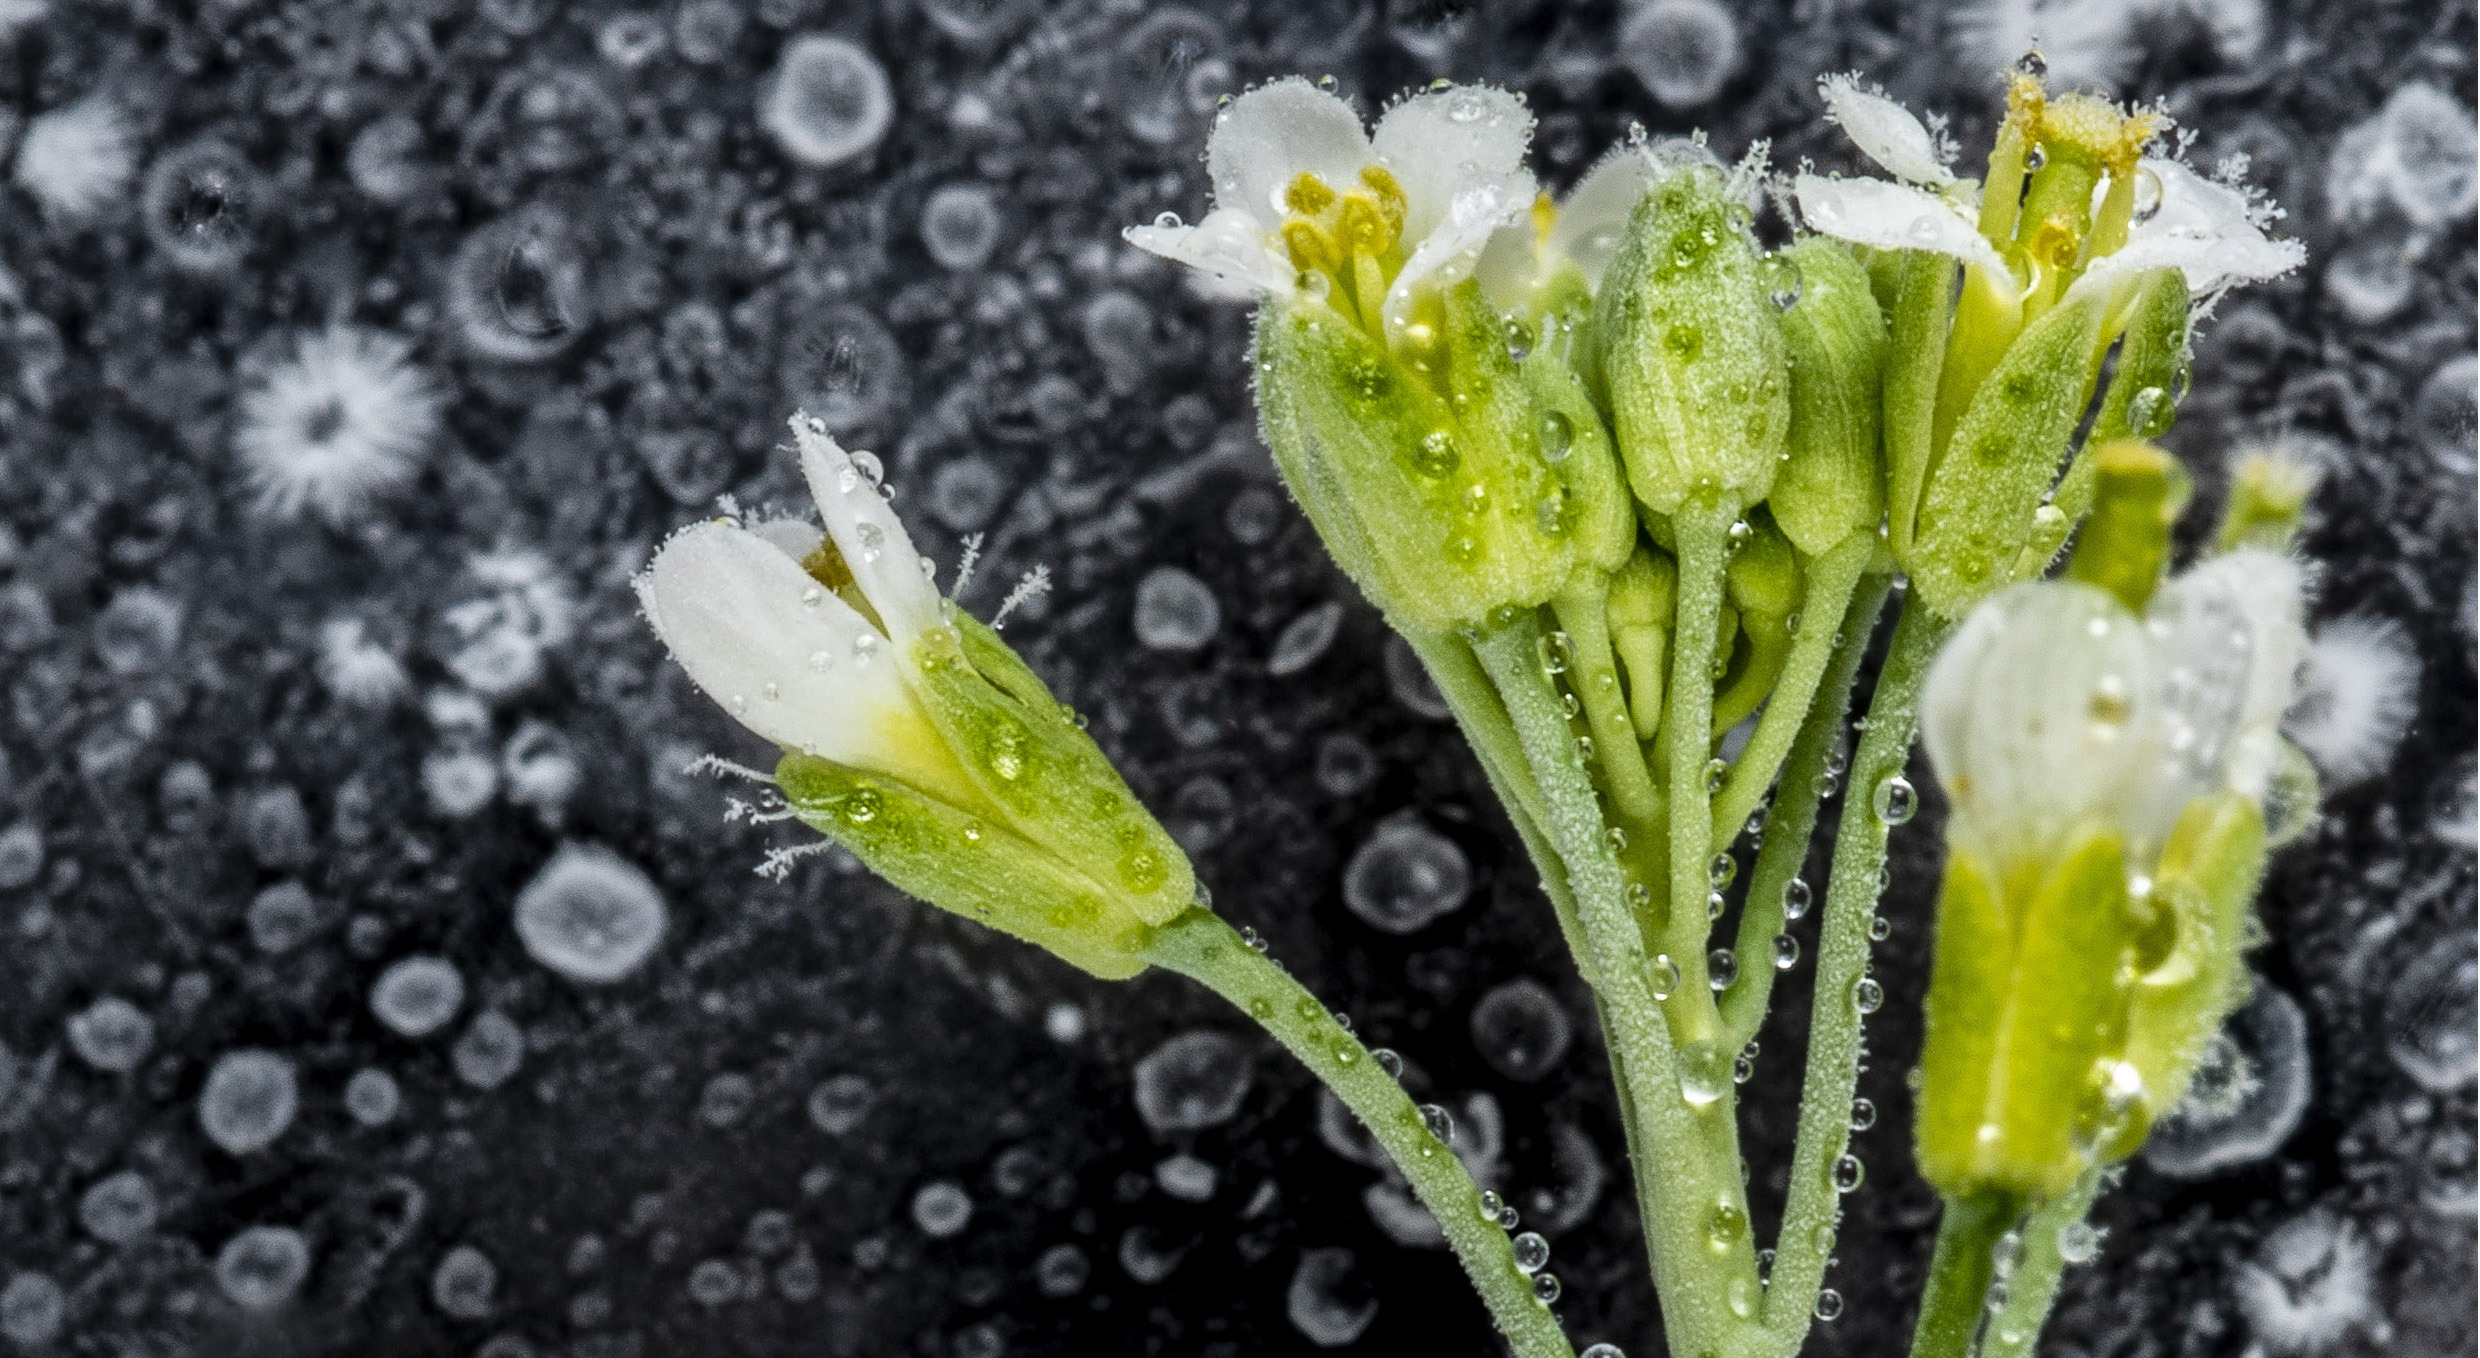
{"type": "Point", "coordinates": [1879, 928]}
{"type": "Point", "coordinates": [1848, 1171]}
{"type": "Point", "coordinates": [1786, 952]}
{"type": "Point", "coordinates": [1704, 1072]}
{"type": "Point", "coordinates": [1435, 455]}
{"type": "Point", "coordinates": [1509, 1217]}
{"type": "Point", "coordinates": [1721, 968]}
{"type": "Point", "coordinates": [1722, 871]}
{"type": "Point", "coordinates": [1490, 1203]}
{"type": "Point", "coordinates": [1255, 940]}
{"type": "Point", "coordinates": [1388, 1060]}
{"type": "Point", "coordinates": [1603, 1351]}
{"type": "Point", "coordinates": [1438, 1122]}
{"type": "Point", "coordinates": [2147, 195]}
{"type": "Point", "coordinates": [1894, 801]}
{"type": "Point", "coordinates": [1863, 1115]}
{"type": "Point", "coordinates": [2149, 412]}
{"type": "Point", "coordinates": [1558, 436]}
{"type": "Point", "coordinates": [864, 646]}
{"type": "Point", "coordinates": [1531, 1251]}
{"type": "Point", "coordinates": [1618, 839]}
{"type": "Point", "coordinates": [1726, 1225]}
{"type": "Point", "coordinates": [1829, 1304]}
{"type": "Point", "coordinates": [1714, 905]}
{"type": "Point", "coordinates": [1715, 772]}
{"type": "Point", "coordinates": [1665, 976]}
{"type": "Point", "coordinates": [1796, 897]}
{"type": "Point", "coordinates": [1781, 277]}
{"type": "Point", "coordinates": [772, 691]}
{"type": "Point", "coordinates": [1684, 341]}
{"type": "Point", "coordinates": [2078, 1242]}
{"type": "Point", "coordinates": [1867, 995]}
{"type": "Point", "coordinates": [1545, 1288]}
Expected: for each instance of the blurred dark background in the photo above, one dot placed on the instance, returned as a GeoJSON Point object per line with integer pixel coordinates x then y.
{"type": "Point", "coordinates": [353, 353]}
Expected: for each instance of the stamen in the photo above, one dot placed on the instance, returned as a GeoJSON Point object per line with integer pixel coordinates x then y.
{"type": "Point", "coordinates": [1363, 226]}
{"type": "Point", "coordinates": [1390, 191]}
{"type": "Point", "coordinates": [1311, 250]}
{"type": "Point", "coordinates": [1308, 195]}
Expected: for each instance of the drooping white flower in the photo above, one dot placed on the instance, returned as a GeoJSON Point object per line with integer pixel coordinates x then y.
{"type": "Point", "coordinates": [815, 657]}
{"type": "Point", "coordinates": [2211, 232]}
{"type": "Point", "coordinates": [1449, 169]}
{"type": "Point", "coordinates": [1886, 132]}
{"type": "Point", "coordinates": [2054, 707]}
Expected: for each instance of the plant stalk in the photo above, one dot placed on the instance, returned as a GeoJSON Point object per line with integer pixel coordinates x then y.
{"type": "Point", "coordinates": [1201, 946]}
{"type": "Point", "coordinates": [1952, 1307]}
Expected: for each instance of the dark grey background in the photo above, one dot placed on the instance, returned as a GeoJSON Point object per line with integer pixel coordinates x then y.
{"type": "Point", "coordinates": [650, 1180]}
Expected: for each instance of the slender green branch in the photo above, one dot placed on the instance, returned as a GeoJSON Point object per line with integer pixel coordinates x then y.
{"type": "Point", "coordinates": [1831, 579]}
{"type": "Point", "coordinates": [1199, 945]}
{"type": "Point", "coordinates": [1834, 1039]}
{"type": "Point", "coordinates": [1956, 1299]}
{"type": "Point", "coordinates": [1794, 819]}
{"type": "Point", "coordinates": [1703, 1260]}
{"type": "Point", "coordinates": [1594, 674]}
{"type": "Point", "coordinates": [2015, 1326]}
{"type": "Point", "coordinates": [1702, 529]}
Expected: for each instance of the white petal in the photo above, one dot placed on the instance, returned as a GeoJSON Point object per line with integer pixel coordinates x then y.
{"type": "Point", "coordinates": [1448, 254]}
{"type": "Point", "coordinates": [2039, 715]}
{"type": "Point", "coordinates": [2228, 642]}
{"type": "Point", "coordinates": [1894, 217]}
{"type": "Point", "coordinates": [1593, 218]}
{"type": "Point", "coordinates": [1885, 131]}
{"type": "Point", "coordinates": [1436, 143]}
{"type": "Point", "coordinates": [1229, 245]}
{"type": "Point", "coordinates": [2202, 228]}
{"type": "Point", "coordinates": [784, 656]}
{"type": "Point", "coordinates": [1270, 135]}
{"type": "Point", "coordinates": [872, 541]}
{"type": "Point", "coordinates": [1511, 265]}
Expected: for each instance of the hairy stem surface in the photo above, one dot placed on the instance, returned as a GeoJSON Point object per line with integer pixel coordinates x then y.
{"type": "Point", "coordinates": [1201, 946]}
{"type": "Point", "coordinates": [1959, 1273]}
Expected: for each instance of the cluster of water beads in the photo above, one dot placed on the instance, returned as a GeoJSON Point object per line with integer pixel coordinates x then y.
{"type": "Point", "coordinates": [1531, 1251]}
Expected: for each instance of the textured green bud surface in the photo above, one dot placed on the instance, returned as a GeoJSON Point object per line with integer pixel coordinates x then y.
{"type": "Point", "coordinates": [2142, 399]}
{"type": "Point", "coordinates": [1573, 440]}
{"type": "Point", "coordinates": [966, 864]}
{"type": "Point", "coordinates": [1427, 479]}
{"type": "Point", "coordinates": [2024, 1008]}
{"type": "Point", "coordinates": [1642, 595]}
{"type": "Point", "coordinates": [1917, 328]}
{"type": "Point", "coordinates": [1832, 479]}
{"type": "Point", "coordinates": [1976, 509]}
{"type": "Point", "coordinates": [1027, 755]}
{"type": "Point", "coordinates": [1691, 350]}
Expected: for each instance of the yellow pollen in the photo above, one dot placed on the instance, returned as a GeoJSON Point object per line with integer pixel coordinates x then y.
{"type": "Point", "coordinates": [1545, 214]}
{"type": "Point", "coordinates": [1308, 195]}
{"type": "Point", "coordinates": [1363, 225]}
{"type": "Point", "coordinates": [1390, 191]}
{"type": "Point", "coordinates": [1312, 250]}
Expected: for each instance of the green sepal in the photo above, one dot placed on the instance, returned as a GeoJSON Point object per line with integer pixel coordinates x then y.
{"type": "Point", "coordinates": [1691, 351]}
{"type": "Point", "coordinates": [1915, 355]}
{"type": "Point", "coordinates": [1032, 761]}
{"type": "Point", "coordinates": [2026, 1004]}
{"type": "Point", "coordinates": [1578, 448]}
{"type": "Point", "coordinates": [1764, 585]}
{"type": "Point", "coordinates": [1977, 506]}
{"type": "Point", "coordinates": [2139, 492]}
{"type": "Point", "coordinates": [966, 864]}
{"type": "Point", "coordinates": [2141, 401]}
{"type": "Point", "coordinates": [2202, 891]}
{"type": "Point", "coordinates": [1442, 511]}
{"type": "Point", "coordinates": [1833, 478]}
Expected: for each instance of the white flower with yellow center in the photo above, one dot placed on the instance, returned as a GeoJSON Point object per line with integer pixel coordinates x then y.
{"type": "Point", "coordinates": [1304, 197]}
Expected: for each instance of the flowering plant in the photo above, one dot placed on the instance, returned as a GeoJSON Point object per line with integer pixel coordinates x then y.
{"type": "Point", "coordinates": [1626, 478]}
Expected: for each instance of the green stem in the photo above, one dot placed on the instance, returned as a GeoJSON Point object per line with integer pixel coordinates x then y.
{"type": "Point", "coordinates": [1959, 1272]}
{"type": "Point", "coordinates": [1594, 674]}
{"type": "Point", "coordinates": [1704, 1264]}
{"type": "Point", "coordinates": [1793, 822]}
{"type": "Point", "coordinates": [2015, 1326]}
{"type": "Point", "coordinates": [1831, 579]}
{"type": "Point", "coordinates": [1702, 529]}
{"type": "Point", "coordinates": [1812, 1208]}
{"type": "Point", "coordinates": [1199, 945]}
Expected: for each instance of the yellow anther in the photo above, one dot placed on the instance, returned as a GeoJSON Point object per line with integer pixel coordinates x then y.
{"type": "Point", "coordinates": [1545, 214]}
{"type": "Point", "coordinates": [1308, 195]}
{"type": "Point", "coordinates": [1312, 250]}
{"type": "Point", "coordinates": [1390, 192]}
{"type": "Point", "coordinates": [1363, 225]}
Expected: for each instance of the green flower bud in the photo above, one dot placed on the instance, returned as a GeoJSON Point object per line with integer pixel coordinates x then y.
{"type": "Point", "coordinates": [1832, 480]}
{"type": "Point", "coordinates": [1691, 350]}
{"type": "Point", "coordinates": [1643, 594]}
{"type": "Point", "coordinates": [1577, 446]}
{"type": "Point", "coordinates": [968, 864]}
{"type": "Point", "coordinates": [2140, 491]}
{"type": "Point", "coordinates": [1764, 585]}
{"type": "Point", "coordinates": [2269, 492]}
{"type": "Point", "coordinates": [1426, 477]}
{"type": "Point", "coordinates": [1976, 508]}
{"type": "Point", "coordinates": [2191, 929]}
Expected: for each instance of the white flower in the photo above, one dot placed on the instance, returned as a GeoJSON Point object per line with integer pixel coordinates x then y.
{"type": "Point", "coordinates": [820, 663]}
{"type": "Point", "coordinates": [2212, 232]}
{"type": "Point", "coordinates": [2054, 707]}
{"type": "Point", "coordinates": [1454, 156]}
